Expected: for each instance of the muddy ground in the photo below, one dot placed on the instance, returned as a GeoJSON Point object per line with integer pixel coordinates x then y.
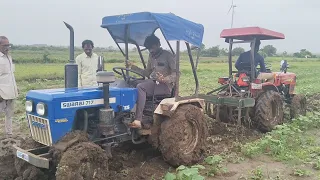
{"type": "Point", "coordinates": [133, 162]}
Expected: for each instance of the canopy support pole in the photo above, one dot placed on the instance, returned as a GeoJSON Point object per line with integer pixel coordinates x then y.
{"type": "Point", "coordinates": [127, 48]}
{"type": "Point", "coordinates": [193, 69]}
{"type": "Point", "coordinates": [177, 71]}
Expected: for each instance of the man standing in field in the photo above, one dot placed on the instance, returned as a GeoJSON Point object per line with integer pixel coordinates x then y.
{"type": "Point", "coordinates": [87, 65]}
{"type": "Point", "coordinates": [8, 86]}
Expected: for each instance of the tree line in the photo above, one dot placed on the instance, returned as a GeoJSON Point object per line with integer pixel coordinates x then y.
{"type": "Point", "coordinates": [214, 51]}
{"type": "Point", "coordinates": [265, 51]}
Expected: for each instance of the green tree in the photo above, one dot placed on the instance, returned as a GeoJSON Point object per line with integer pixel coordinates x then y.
{"type": "Point", "coordinates": [223, 52]}
{"type": "Point", "coordinates": [237, 51]}
{"type": "Point", "coordinates": [285, 54]}
{"type": "Point", "coordinates": [203, 47]}
{"type": "Point", "coordinates": [211, 52]}
{"type": "Point", "coordinates": [269, 50]}
{"type": "Point", "coordinates": [263, 54]}
{"type": "Point", "coordinates": [305, 53]}
{"type": "Point", "coordinates": [297, 55]}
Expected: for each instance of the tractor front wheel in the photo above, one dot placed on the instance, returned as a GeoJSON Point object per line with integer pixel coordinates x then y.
{"type": "Point", "coordinates": [269, 111]}
{"type": "Point", "coordinates": [183, 136]}
{"type": "Point", "coordinates": [298, 106]}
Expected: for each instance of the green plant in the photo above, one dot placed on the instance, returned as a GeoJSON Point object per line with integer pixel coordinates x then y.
{"type": "Point", "coordinates": [316, 164]}
{"type": "Point", "coordinates": [301, 172]}
{"type": "Point", "coordinates": [285, 142]}
{"type": "Point", "coordinates": [215, 164]}
{"type": "Point", "coordinates": [256, 174]}
{"type": "Point", "coordinates": [185, 173]}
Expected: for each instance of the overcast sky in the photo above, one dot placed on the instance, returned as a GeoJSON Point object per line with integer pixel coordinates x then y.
{"type": "Point", "coordinates": [41, 21]}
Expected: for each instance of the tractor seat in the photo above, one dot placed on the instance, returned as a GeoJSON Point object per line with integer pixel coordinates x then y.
{"type": "Point", "coordinates": [158, 98]}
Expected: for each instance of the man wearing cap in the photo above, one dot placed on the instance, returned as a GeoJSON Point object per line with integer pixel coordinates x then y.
{"type": "Point", "coordinates": [161, 68]}
{"type": "Point", "coordinates": [8, 87]}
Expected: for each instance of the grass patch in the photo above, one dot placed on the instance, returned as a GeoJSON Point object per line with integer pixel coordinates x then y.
{"type": "Point", "coordinates": [289, 142]}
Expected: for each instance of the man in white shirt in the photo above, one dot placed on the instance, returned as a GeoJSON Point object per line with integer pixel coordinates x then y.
{"type": "Point", "coordinates": [87, 65]}
{"type": "Point", "coordinates": [8, 86]}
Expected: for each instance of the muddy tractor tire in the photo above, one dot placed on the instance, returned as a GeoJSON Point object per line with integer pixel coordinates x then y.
{"type": "Point", "coordinates": [268, 111]}
{"type": "Point", "coordinates": [298, 106]}
{"type": "Point", "coordinates": [182, 140]}
{"type": "Point", "coordinates": [23, 168]}
{"type": "Point", "coordinates": [85, 161]}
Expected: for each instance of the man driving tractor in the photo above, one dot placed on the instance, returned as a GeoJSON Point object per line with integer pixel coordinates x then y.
{"type": "Point", "coordinates": [243, 63]}
{"type": "Point", "coordinates": [161, 69]}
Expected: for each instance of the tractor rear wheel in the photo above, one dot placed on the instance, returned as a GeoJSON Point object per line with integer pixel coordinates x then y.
{"type": "Point", "coordinates": [268, 111]}
{"type": "Point", "coordinates": [183, 136]}
{"type": "Point", "coordinates": [298, 106]}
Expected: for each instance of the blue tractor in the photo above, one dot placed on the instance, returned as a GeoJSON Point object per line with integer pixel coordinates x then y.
{"type": "Point", "coordinates": [179, 129]}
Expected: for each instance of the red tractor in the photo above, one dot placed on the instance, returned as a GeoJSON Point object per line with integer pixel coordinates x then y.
{"type": "Point", "coordinates": [250, 97]}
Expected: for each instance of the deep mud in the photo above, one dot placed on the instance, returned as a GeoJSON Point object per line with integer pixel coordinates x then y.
{"type": "Point", "coordinates": [129, 161]}
{"type": "Point", "coordinates": [66, 142]}
{"type": "Point", "coordinates": [133, 162]}
{"type": "Point", "coordinates": [85, 161]}
{"type": "Point", "coordinates": [225, 137]}
{"type": "Point", "coordinates": [25, 170]}
{"type": "Point", "coordinates": [7, 170]}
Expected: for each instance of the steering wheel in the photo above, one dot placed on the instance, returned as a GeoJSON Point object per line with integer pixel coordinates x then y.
{"type": "Point", "coordinates": [123, 73]}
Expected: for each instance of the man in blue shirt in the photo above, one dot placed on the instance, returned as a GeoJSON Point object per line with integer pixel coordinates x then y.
{"type": "Point", "coordinates": [243, 62]}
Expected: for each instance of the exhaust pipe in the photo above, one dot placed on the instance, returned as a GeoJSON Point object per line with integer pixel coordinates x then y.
{"type": "Point", "coordinates": [71, 68]}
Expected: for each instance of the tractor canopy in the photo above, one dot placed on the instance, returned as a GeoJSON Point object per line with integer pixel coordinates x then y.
{"type": "Point", "coordinates": [249, 33]}
{"type": "Point", "coordinates": [134, 28]}
{"type": "Point", "coordinates": [142, 24]}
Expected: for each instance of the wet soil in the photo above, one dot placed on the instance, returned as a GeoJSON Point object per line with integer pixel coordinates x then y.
{"type": "Point", "coordinates": [133, 162]}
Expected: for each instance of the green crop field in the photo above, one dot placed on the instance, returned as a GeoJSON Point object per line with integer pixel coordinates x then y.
{"type": "Point", "coordinates": [208, 73]}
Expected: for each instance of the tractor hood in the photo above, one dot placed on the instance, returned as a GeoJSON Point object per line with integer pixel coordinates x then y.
{"type": "Point", "coordinates": [84, 97]}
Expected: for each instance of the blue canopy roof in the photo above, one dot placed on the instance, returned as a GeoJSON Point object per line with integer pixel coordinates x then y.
{"type": "Point", "coordinates": [144, 24]}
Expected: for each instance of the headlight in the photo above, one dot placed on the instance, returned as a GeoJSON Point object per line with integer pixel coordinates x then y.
{"type": "Point", "coordinates": [41, 109]}
{"type": "Point", "coordinates": [29, 106]}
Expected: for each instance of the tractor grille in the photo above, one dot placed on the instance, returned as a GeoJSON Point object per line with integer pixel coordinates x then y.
{"type": "Point", "coordinates": [40, 129]}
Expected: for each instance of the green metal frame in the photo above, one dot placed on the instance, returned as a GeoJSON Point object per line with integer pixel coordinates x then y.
{"type": "Point", "coordinates": [229, 101]}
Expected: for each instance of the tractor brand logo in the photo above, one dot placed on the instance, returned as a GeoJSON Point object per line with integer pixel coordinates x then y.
{"type": "Point", "coordinates": [91, 102]}
{"type": "Point", "coordinates": [39, 125]}
{"type": "Point", "coordinates": [126, 107]}
{"type": "Point", "coordinates": [61, 120]}
{"type": "Point", "coordinates": [192, 34]}
{"type": "Point", "coordinates": [23, 156]}
{"type": "Point", "coordinates": [122, 18]}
